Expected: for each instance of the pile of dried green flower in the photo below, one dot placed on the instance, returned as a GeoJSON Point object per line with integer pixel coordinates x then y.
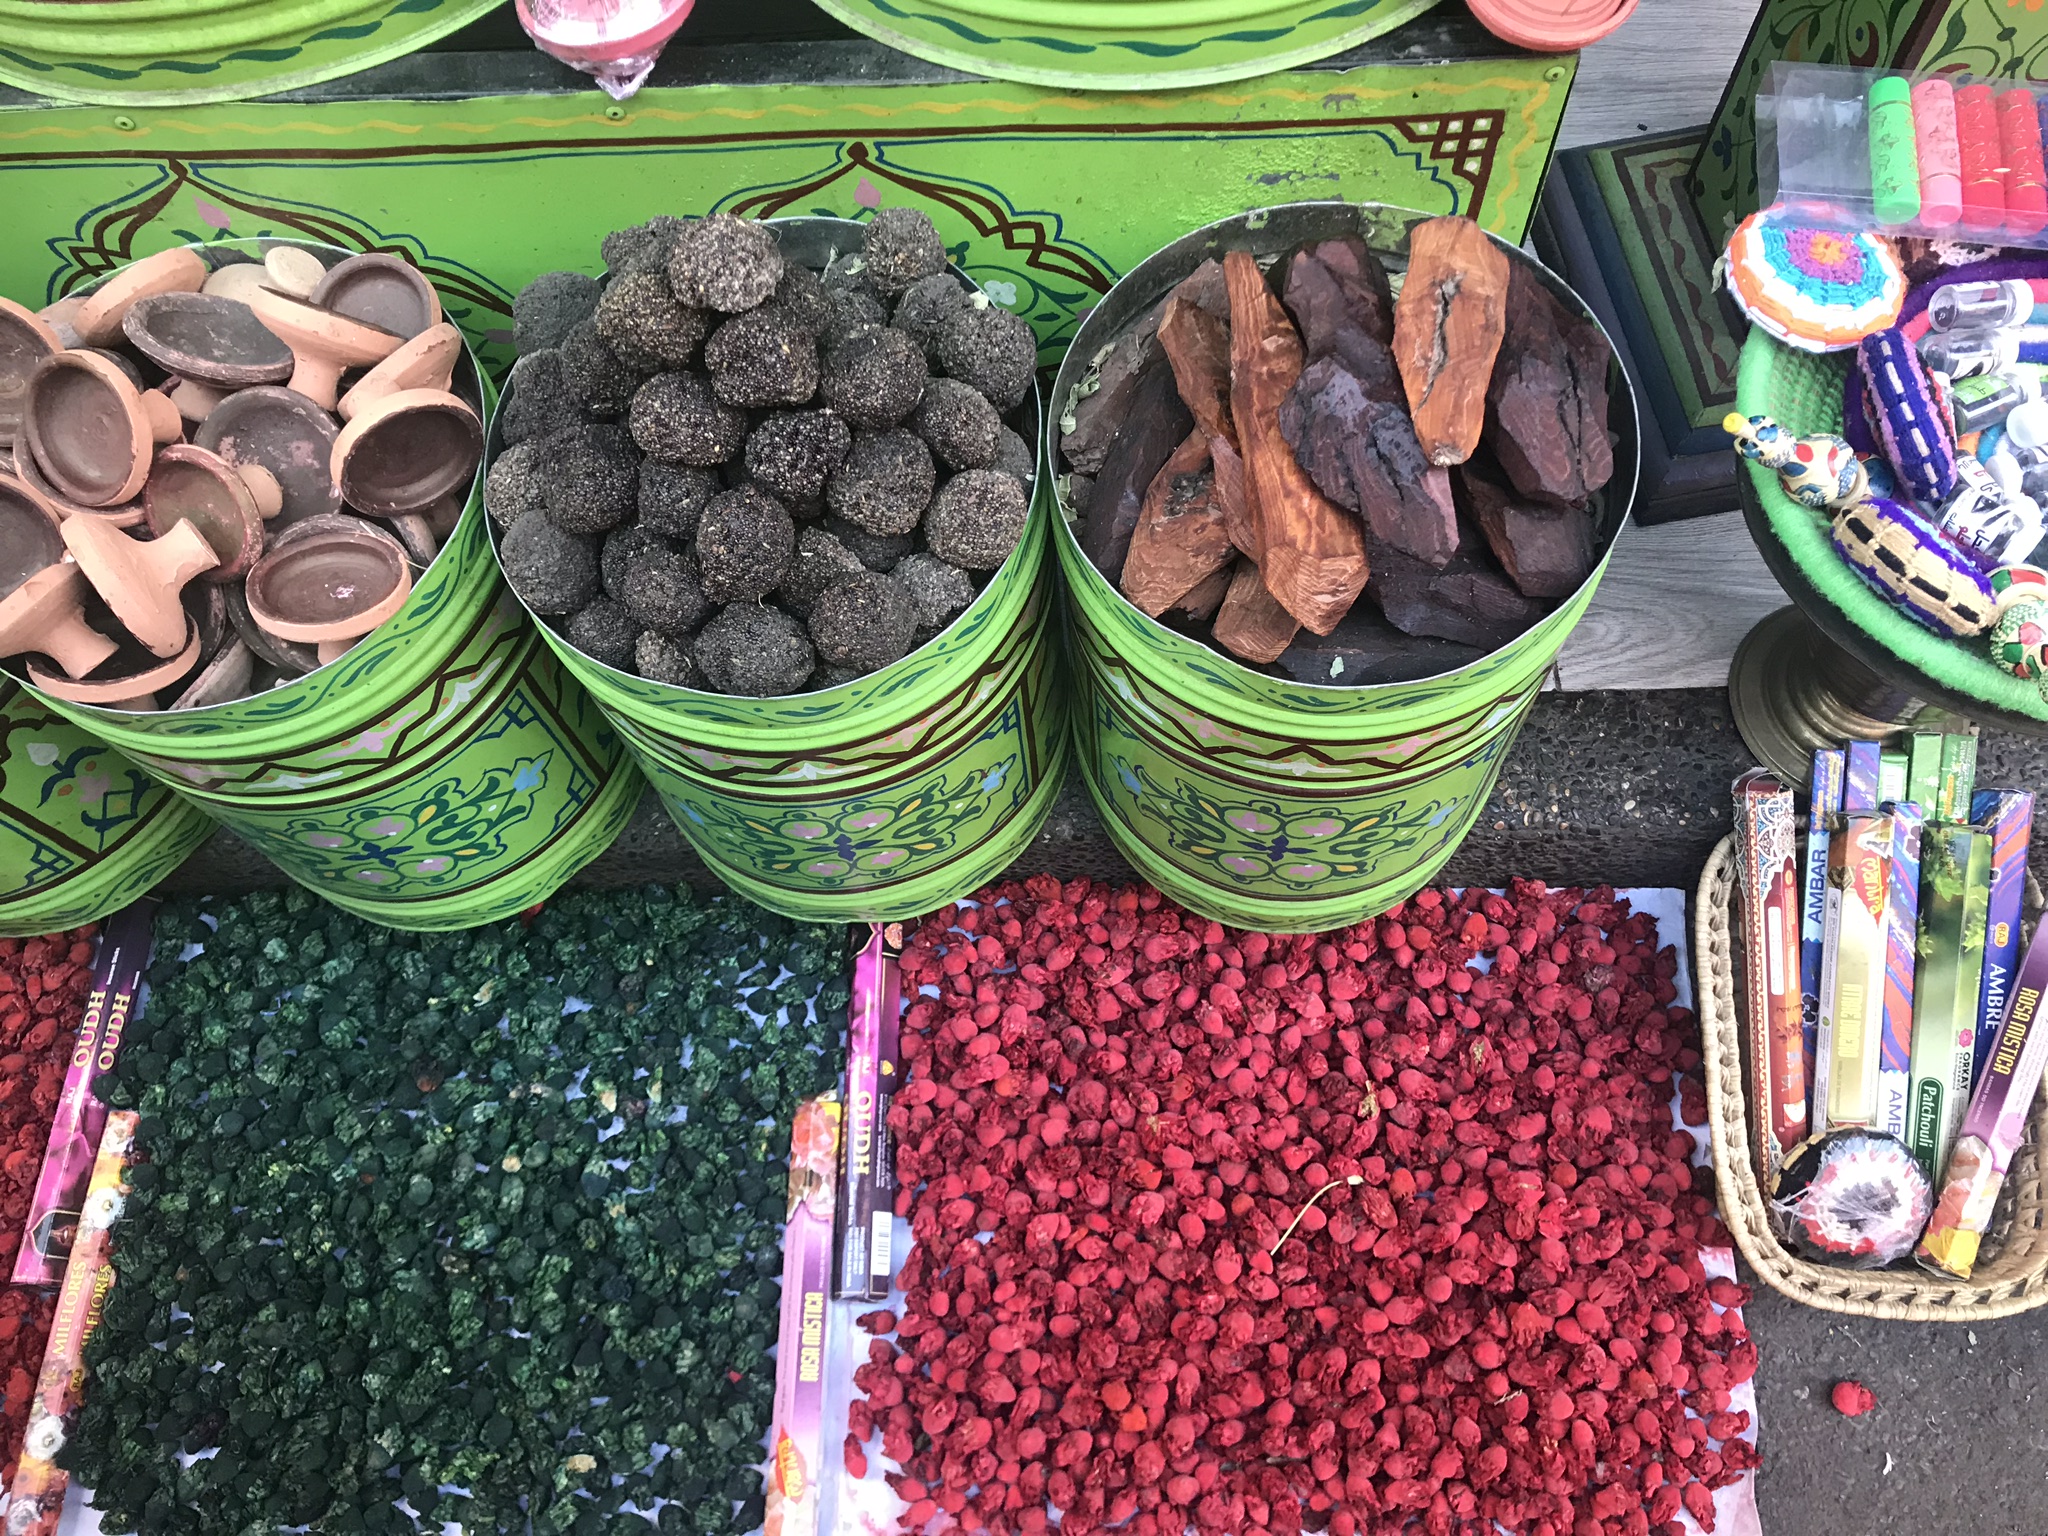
{"type": "Point", "coordinates": [414, 1221]}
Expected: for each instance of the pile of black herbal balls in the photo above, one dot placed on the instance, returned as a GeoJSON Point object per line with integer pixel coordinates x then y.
{"type": "Point", "coordinates": [728, 472]}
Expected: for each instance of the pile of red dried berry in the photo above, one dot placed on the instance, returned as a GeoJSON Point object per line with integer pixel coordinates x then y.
{"type": "Point", "coordinates": [1494, 1314]}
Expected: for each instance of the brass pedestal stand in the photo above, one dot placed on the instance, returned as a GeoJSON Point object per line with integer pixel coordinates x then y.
{"type": "Point", "coordinates": [1794, 691]}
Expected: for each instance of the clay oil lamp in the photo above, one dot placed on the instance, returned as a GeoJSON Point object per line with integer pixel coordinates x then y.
{"type": "Point", "coordinates": [62, 318]}
{"type": "Point", "coordinates": [195, 401]}
{"type": "Point", "coordinates": [46, 614]}
{"type": "Point", "coordinates": [406, 452]}
{"type": "Point", "coordinates": [284, 657]}
{"type": "Point", "coordinates": [128, 681]}
{"type": "Point", "coordinates": [417, 535]}
{"type": "Point", "coordinates": [329, 585]}
{"type": "Point", "coordinates": [194, 486]}
{"type": "Point", "coordinates": [323, 342]}
{"type": "Point", "coordinates": [238, 280]}
{"type": "Point", "coordinates": [382, 291]}
{"type": "Point", "coordinates": [425, 362]}
{"type": "Point", "coordinates": [98, 320]}
{"type": "Point", "coordinates": [205, 337]}
{"type": "Point", "coordinates": [140, 581]}
{"type": "Point", "coordinates": [221, 680]}
{"type": "Point", "coordinates": [25, 340]}
{"type": "Point", "coordinates": [285, 433]}
{"type": "Point", "coordinates": [126, 514]}
{"type": "Point", "coordinates": [293, 271]}
{"type": "Point", "coordinates": [92, 432]}
{"type": "Point", "coordinates": [31, 533]}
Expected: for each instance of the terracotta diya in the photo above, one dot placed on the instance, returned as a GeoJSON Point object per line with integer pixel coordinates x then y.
{"type": "Point", "coordinates": [206, 337]}
{"type": "Point", "coordinates": [323, 342]}
{"type": "Point", "coordinates": [425, 362]}
{"type": "Point", "coordinates": [45, 614]}
{"type": "Point", "coordinates": [417, 535]}
{"type": "Point", "coordinates": [285, 657]}
{"type": "Point", "coordinates": [62, 317]}
{"type": "Point", "coordinates": [206, 604]}
{"type": "Point", "coordinates": [221, 680]}
{"type": "Point", "coordinates": [382, 291]}
{"type": "Point", "coordinates": [140, 580]}
{"type": "Point", "coordinates": [191, 485]}
{"type": "Point", "coordinates": [31, 533]}
{"type": "Point", "coordinates": [238, 280]}
{"type": "Point", "coordinates": [294, 271]}
{"type": "Point", "coordinates": [25, 340]}
{"type": "Point", "coordinates": [126, 514]}
{"type": "Point", "coordinates": [128, 681]}
{"type": "Point", "coordinates": [195, 401]}
{"type": "Point", "coordinates": [335, 584]}
{"type": "Point", "coordinates": [91, 430]}
{"type": "Point", "coordinates": [98, 320]}
{"type": "Point", "coordinates": [406, 452]}
{"type": "Point", "coordinates": [285, 433]}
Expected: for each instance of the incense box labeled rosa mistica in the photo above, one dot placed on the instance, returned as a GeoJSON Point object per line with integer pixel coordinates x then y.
{"type": "Point", "coordinates": [797, 1442]}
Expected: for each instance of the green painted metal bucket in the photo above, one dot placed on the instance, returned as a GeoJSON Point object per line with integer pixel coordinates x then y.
{"type": "Point", "coordinates": [887, 796]}
{"type": "Point", "coordinates": [161, 53]}
{"type": "Point", "coordinates": [1124, 45]}
{"type": "Point", "coordinates": [83, 832]}
{"type": "Point", "coordinates": [444, 772]}
{"type": "Point", "coordinates": [1254, 799]}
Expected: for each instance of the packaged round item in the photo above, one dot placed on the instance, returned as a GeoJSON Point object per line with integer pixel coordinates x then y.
{"type": "Point", "coordinates": [1855, 1198]}
{"type": "Point", "coordinates": [1821, 290]}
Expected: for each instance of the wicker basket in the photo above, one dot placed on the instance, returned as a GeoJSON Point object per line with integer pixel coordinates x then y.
{"type": "Point", "coordinates": [2012, 1270]}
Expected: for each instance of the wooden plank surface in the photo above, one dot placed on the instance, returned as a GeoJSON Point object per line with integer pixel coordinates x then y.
{"type": "Point", "coordinates": [1664, 68]}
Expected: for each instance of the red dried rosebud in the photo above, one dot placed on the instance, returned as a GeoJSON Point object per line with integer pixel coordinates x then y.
{"type": "Point", "coordinates": [1853, 1399]}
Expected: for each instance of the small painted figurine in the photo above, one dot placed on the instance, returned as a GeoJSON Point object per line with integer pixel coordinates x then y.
{"type": "Point", "coordinates": [2019, 635]}
{"type": "Point", "coordinates": [1898, 553]}
{"type": "Point", "coordinates": [1819, 471]}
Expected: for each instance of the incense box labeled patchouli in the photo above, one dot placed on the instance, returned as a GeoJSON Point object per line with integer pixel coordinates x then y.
{"type": "Point", "coordinates": [1955, 894]}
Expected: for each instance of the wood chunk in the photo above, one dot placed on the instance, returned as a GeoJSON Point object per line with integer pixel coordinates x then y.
{"type": "Point", "coordinates": [1447, 331]}
{"type": "Point", "coordinates": [1181, 537]}
{"type": "Point", "coordinates": [1205, 287]}
{"type": "Point", "coordinates": [1197, 344]}
{"type": "Point", "coordinates": [1352, 262]}
{"type": "Point", "coordinates": [1099, 416]}
{"type": "Point", "coordinates": [1153, 426]}
{"type": "Point", "coordinates": [1547, 551]}
{"type": "Point", "coordinates": [1547, 403]}
{"type": "Point", "coordinates": [1366, 649]}
{"type": "Point", "coordinates": [1231, 496]}
{"type": "Point", "coordinates": [1343, 319]}
{"type": "Point", "coordinates": [1207, 597]}
{"type": "Point", "coordinates": [1311, 554]}
{"type": "Point", "coordinates": [1361, 452]}
{"type": "Point", "coordinates": [1251, 623]}
{"type": "Point", "coordinates": [1467, 601]}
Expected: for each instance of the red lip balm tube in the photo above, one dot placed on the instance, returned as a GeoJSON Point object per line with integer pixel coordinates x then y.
{"type": "Point", "coordinates": [1983, 158]}
{"type": "Point", "coordinates": [2026, 182]}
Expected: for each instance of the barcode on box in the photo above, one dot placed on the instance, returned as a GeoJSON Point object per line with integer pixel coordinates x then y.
{"type": "Point", "coordinates": [878, 1243]}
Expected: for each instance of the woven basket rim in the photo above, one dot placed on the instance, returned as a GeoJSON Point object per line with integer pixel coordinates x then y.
{"type": "Point", "coordinates": [2013, 1275]}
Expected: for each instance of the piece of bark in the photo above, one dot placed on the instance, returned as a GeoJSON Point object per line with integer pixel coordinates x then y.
{"type": "Point", "coordinates": [1311, 554]}
{"type": "Point", "coordinates": [1467, 601]}
{"type": "Point", "coordinates": [1251, 623]}
{"type": "Point", "coordinates": [1205, 286]}
{"type": "Point", "coordinates": [1231, 495]}
{"type": "Point", "coordinates": [1447, 331]}
{"type": "Point", "coordinates": [1181, 537]}
{"type": "Point", "coordinates": [1197, 344]}
{"type": "Point", "coordinates": [1366, 649]}
{"type": "Point", "coordinates": [1341, 319]}
{"type": "Point", "coordinates": [1207, 596]}
{"type": "Point", "coordinates": [1362, 454]}
{"type": "Point", "coordinates": [1099, 416]}
{"type": "Point", "coordinates": [1352, 262]}
{"type": "Point", "coordinates": [1546, 551]}
{"type": "Point", "coordinates": [1546, 407]}
{"type": "Point", "coordinates": [1154, 425]}
{"type": "Point", "coordinates": [1080, 488]}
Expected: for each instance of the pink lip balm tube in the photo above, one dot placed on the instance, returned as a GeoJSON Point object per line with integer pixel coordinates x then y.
{"type": "Point", "coordinates": [1941, 164]}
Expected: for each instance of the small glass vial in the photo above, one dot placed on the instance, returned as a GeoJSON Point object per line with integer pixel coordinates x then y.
{"type": "Point", "coordinates": [1966, 354]}
{"type": "Point", "coordinates": [1980, 306]}
{"type": "Point", "coordinates": [2014, 389]}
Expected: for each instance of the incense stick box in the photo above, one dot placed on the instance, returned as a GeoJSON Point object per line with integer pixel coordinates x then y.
{"type": "Point", "coordinates": [1901, 940]}
{"type": "Point", "coordinates": [797, 1442]}
{"type": "Point", "coordinates": [1958, 778]}
{"type": "Point", "coordinates": [1992, 1127]}
{"type": "Point", "coordinates": [1852, 971]}
{"type": "Point", "coordinates": [866, 1207]}
{"type": "Point", "coordinates": [1955, 894]}
{"type": "Point", "coordinates": [1767, 845]}
{"type": "Point", "coordinates": [1825, 804]}
{"type": "Point", "coordinates": [2008, 815]}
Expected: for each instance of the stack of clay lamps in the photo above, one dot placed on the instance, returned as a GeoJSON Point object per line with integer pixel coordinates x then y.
{"type": "Point", "coordinates": [140, 563]}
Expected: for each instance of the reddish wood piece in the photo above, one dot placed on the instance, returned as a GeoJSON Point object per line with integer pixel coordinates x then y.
{"type": "Point", "coordinates": [1197, 345]}
{"type": "Point", "coordinates": [1206, 597]}
{"type": "Point", "coordinates": [1342, 314]}
{"type": "Point", "coordinates": [1467, 601]}
{"type": "Point", "coordinates": [1546, 551]}
{"type": "Point", "coordinates": [1153, 427]}
{"type": "Point", "coordinates": [1361, 452]}
{"type": "Point", "coordinates": [1547, 402]}
{"type": "Point", "coordinates": [1251, 623]}
{"type": "Point", "coordinates": [1448, 324]}
{"type": "Point", "coordinates": [1182, 536]}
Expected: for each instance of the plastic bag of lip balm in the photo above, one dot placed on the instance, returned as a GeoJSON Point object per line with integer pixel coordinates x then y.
{"type": "Point", "coordinates": [616, 41]}
{"type": "Point", "coordinates": [1947, 157]}
{"type": "Point", "coordinates": [1855, 1199]}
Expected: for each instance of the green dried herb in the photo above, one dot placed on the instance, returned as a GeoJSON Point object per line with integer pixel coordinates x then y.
{"type": "Point", "coordinates": [413, 1220]}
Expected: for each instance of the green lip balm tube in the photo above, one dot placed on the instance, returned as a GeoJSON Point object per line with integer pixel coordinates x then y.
{"type": "Point", "coordinates": [1894, 161]}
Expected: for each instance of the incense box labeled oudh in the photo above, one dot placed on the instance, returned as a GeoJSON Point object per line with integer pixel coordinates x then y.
{"type": "Point", "coordinates": [867, 1209]}
{"type": "Point", "coordinates": [1955, 898]}
{"type": "Point", "coordinates": [1768, 846]}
